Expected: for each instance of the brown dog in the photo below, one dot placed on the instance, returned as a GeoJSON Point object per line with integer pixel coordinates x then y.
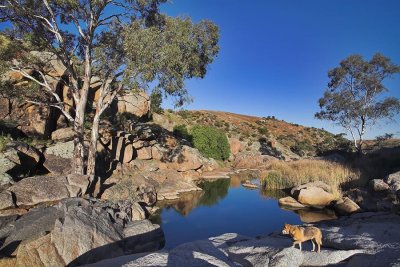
{"type": "Point", "coordinates": [301, 234]}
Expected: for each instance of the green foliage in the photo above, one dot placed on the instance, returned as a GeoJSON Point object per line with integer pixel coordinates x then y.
{"type": "Point", "coordinates": [156, 101]}
{"type": "Point", "coordinates": [169, 53]}
{"type": "Point", "coordinates": [182, 132]}
{"type": "Point", "coordinates": [211, 142]}
{"type": "Point", "coordinates": [214, 191]}
{"type": "Point", "coordinates": [3, 142]}
{"type": "Point", "coordinates": [354, 99]}
{"type": "Point", "coordinates": [302, 148]}
{"type": "Point", "coordinates": [263, 130]}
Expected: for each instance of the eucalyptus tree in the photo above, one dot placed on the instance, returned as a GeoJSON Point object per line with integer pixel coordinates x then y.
{"type": "Point", "coordinates": [355, 96]}
{"type": "Point", "coordinates": [126, 44]}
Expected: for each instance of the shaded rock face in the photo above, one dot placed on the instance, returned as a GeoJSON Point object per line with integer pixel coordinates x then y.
{"type": "Point", "coordinates": [346, 206]}
{"type": "Point", "coordinates": [32, 119]}
{"type": "Point", "coordinates": [76, 232]}
{"type": "Point", "coordinates": [18, 161]}
{"type": "Point", "coordinates": [38, 189]}
{"type": "Point", "coordinates": [378, 185]}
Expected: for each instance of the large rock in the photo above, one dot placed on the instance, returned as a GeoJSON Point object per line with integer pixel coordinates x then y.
{"type": "Point", "coordinates": [375, 233]}
{"type": "Point", "coordinates": [315, 194]}
{"type": "Point", "coordinates": [76, 232]}
{"type": "Point", "coordinates": [346, 206]}
{"type": "Point", "coordinates": [143, 236]}
{"type": "Point", "coordinates": [135, 103]}
{"type": "Point", "coordinates": [62, 149]}
{"type": "Point", "coordinates": [122, 149]}
{"type": "Point", "coordinates": [32, 119]}
{"type": "Point", "coordinates": [38, 189]}
{"type": "Point", "coordinates": [174, 185]}
{"type": "Point", "coordinates": [188, 159]}
{"type": "Point", "coordinates": [318, 184]}
{"type": "Point", "coordinates": [5, 166]}
{"type": "Point", "coordinates": [64, 134]}
{"type": "Point", "coordinates": [235, 250]}
{"type": "Point", "coordinates": [134, 186]}
{"type": "Point", "coordinates": [290, 203]}
{"type": "Point", "coordinates": [18, 161]}
{"type": "Point", "coordinates": [235, 146]}
{"type": "Point", "coordinates": [378, 185]}
{"type": "Point", "coordinates": [393, 178]}
{"type": "Point", "coordinates": [58, 158]}
{"type": "Point", "coordinates": [57, 165]}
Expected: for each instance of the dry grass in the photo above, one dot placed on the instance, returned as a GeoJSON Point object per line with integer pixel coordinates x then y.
{"type": "Point", "coordinates": [288, 174]}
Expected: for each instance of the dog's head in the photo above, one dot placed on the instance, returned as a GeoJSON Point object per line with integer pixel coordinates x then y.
{"type": "Point", "coordinates": [286, 229]}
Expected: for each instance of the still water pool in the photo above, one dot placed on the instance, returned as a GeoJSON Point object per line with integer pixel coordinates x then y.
{"type": "Point", "coordinates": [223, 206]}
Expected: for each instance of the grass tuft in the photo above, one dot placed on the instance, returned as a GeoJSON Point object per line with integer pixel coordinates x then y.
{"type": "Point", "coordinates": [281, 175]}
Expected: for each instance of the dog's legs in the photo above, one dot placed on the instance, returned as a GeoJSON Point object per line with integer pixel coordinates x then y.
{"type": "Point", "coordinates": [313, 246]}
{"type": "Point", "coordinates": [300, 245]}
{"type": "Point", "coordinates": [319, 247]}
{"type": "Point", "coordinates": [296, 242]}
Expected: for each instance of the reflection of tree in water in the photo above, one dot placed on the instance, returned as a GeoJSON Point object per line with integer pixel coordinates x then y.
{"type": "Point", "coordinates": [214, 191]}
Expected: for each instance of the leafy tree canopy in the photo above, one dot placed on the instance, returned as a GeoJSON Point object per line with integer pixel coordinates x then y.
{"type": "Point", "coordinates": [355, 95]}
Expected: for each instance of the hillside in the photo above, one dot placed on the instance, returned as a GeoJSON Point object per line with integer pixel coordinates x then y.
{"type": "Point", "coordinates": [290, 141]}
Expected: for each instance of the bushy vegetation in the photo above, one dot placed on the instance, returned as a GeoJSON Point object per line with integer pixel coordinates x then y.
{"type": "Point", "coordinates": [211, 142]}
{"type": "Point", "coordinates": [3, 142]}
{"type": "Point", "coordinates": [182, 132]}
{"type": "Point", "coordinates": [288, 174]}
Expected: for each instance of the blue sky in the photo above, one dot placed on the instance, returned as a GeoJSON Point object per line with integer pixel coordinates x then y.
{"type": "Point", "coordinates": [275, 55]}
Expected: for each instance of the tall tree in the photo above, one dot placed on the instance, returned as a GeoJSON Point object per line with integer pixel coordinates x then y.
{"type": "Point", "coordinates": [127, 44]}
{"type": "Point", "coordinates": [355, 96]}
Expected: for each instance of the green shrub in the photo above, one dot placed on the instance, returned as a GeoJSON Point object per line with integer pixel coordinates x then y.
{"type": "Point", "coordinates": [211, 142]}
{"type": "Point", "coordinates": [3, 142]}
{"type": "Point", "coordinates": [263, 130]}
{"type": "Point", "coordinates": [182, 132]}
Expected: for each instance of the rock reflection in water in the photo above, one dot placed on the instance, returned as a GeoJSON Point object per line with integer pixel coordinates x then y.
{"type": "Point", "coordinates": [311, 216]}
{"type": "Point", "coordinates": [212, 193]}
{"type": "Point", "coordinates": [185, 204]}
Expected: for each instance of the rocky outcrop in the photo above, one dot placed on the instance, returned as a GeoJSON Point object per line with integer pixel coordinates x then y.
{"type": "Point", "coordinates": [47, 236]}
{"type": "Point", "coordinates": [235, 146]}
{"type": "Point", "coordinates": [274, 250]}
{"type": "Point", "coordinates": [136, 104]}
{"type": "Point", "coordinates": [346, 206]}
{"type": "Point", "coordinates": [18, 161]}
{"type": "Point", "coordinates": [316, 194]}
{"type": "Point", "coordinates": [58, 158]}
{"type": "Point", "coordinates": [42, 189]}
{"type": "Point", "coordinates": [364, 239]}
{"type": "Point", "coordinates": [378, 185]}
{"type": "Point", "coordinates": [290, 203]}
{"type": "Point", "coordinates": [174, 185]}
{"type": "Point", "coordinates": [134, 186]}
{"type": "Point", "coordinates": [63, 134]}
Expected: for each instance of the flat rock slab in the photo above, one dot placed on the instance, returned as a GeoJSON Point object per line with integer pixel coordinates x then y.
{"type": "Point", "coordinates": [38, 189]}
{"type": "Point", "coordinates": [364, 239]}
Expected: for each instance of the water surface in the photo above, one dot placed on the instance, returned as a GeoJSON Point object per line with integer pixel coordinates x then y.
{"type": "Point", "coordinates": [223, 206]}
